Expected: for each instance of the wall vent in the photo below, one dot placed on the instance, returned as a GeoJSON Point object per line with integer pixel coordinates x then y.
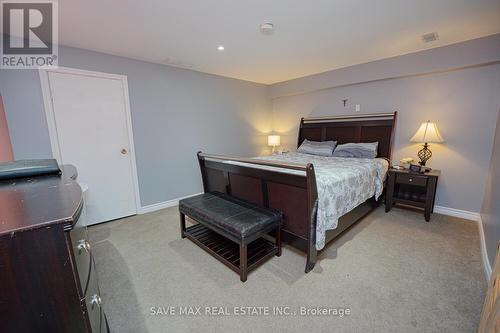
{"type": "Point", "coordinates": [177, 63]}
{"type": "Point", "coordinates": [430, 37]}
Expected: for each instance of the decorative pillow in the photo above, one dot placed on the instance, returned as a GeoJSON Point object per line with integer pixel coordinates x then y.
{"type": "Point", "coordinates": [322, 148]}
{"type": "Point", "coordinates": [359, 150]}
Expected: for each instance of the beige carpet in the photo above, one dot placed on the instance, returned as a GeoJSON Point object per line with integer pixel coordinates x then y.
{"type": "Point", "coordinates": [394, 272]}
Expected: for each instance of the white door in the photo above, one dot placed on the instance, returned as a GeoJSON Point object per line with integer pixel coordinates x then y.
{"type": "Point", "coordinates": [90, 123]}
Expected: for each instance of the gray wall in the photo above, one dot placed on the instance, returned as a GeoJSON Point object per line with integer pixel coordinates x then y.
{"type": "Point", "coordinates": [463, 101]}
{"type": "Point", "coordinates": [457, 86]}
{"type": "Point", "coordinates": [490, 212]}
{"type": "Point", "coordinates": [175, 113]}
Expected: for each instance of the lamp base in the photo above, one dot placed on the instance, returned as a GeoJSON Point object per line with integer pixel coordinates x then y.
{"type": "Point", "coordinates": [424, 154]}
{"type": "Point", "coordinates": [425, 169]}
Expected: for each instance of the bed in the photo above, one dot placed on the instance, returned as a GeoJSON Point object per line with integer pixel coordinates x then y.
{"type": "Point", "coordinates": [316, 194]}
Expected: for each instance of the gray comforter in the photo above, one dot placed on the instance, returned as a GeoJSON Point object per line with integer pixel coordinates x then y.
{"type": "Point", "coordinates": [343, 184]}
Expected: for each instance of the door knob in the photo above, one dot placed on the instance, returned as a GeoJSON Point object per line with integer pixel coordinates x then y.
{"type": "Point", "coordinates": [124, 151]}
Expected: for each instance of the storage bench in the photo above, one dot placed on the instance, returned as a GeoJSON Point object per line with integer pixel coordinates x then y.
{"type": "Point", "coordinates": [231, 230]}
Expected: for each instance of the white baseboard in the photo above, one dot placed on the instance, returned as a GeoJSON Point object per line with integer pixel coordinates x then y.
{"type": "Point", "coordinates": [464, 214]}
{"type": "Point", "coordinates": [472, 216]}
{"type": "Point", "coordinates": [484, 251]}
{"type": "Point", "coordinates": [162, 205]}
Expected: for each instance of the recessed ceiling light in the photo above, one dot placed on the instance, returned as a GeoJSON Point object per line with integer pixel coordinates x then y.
{"type": "Point", "coordinates": [220, 47]}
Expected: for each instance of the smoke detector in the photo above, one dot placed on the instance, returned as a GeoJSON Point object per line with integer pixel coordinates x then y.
{"type": "Point", "coordinates": [430, 37]}
{"type": "Point", "coordinates": [267, 28]}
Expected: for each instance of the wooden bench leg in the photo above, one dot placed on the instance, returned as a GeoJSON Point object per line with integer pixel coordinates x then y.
{"type": "Point", "coordinates": [183, 225]}
{"type": "Point", "coordinates": [278, 241]}
{"type": "Point", "coordinates": [243, 263]}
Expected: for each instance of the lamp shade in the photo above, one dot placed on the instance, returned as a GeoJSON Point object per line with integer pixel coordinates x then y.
{"type": "Point", "coordinates": [273, 140]}
{"type": "Point", "coordinates": [427, 132]}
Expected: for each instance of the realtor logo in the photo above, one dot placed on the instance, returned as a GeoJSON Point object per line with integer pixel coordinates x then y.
{"type": "Point", "coordinates": [29, 34]}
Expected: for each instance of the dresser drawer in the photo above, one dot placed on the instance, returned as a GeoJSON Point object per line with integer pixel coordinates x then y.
{"type": "Point", "coordinates": [104, 323]}
{"type": "Point", "coordinates": [81, 249]}
{"type": "Point", "coordinates": [82, 254]}
{"type": "Point", "coordinates": [93, 302]}
{"type": "Point", "coordinates": [411, 179]}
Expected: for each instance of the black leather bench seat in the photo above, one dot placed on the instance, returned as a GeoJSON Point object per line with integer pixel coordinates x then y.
{"type": "Point", "coordinates": [223, 213]}
{"type": "Point", "coordinates": [232, 230]}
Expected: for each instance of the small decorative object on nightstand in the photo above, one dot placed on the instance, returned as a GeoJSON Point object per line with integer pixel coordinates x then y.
{"type": "Point", "coordinates": [273, 141]}
{"type": "Point", "coordinates": [427, 133]}
{"type": "Point", "coordinates": [412, 189]}
{"type": "Point", "coordinates": [405, 162]}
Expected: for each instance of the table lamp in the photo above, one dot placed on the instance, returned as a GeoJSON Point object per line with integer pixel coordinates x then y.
{"type": "Point", "coordinates": [273, 140]}
{"type": "Point", "coordinates": [427, 133]}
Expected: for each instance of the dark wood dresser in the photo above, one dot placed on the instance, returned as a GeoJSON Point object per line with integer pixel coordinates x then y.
{"type": "Point", "coordinates": [47, 277]}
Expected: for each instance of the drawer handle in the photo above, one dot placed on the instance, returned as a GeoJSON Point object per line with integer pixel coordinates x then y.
{"type": "Point", "coordinates": [95, 300]}
{"type": "Point", "coordinates": [410, 179]}
{"type": "Point", "coordinates": [83, 244]}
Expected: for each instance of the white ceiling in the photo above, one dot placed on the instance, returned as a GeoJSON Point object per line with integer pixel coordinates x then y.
{"type": "Point", "coordinates": [310, 36]}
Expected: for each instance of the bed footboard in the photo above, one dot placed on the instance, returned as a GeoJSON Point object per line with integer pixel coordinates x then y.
{"type": "Point", "coordinates": [271, 185]}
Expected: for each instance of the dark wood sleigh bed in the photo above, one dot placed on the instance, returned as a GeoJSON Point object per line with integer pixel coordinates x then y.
{"type": "Point", "coordinates": [293, 194]}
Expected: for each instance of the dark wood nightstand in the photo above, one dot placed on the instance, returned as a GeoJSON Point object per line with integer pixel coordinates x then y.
{"type": "Point", "coordinates": [412, 189]}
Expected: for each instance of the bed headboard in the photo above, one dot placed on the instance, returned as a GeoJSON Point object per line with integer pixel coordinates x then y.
{"type": "Point", "coordinates": [352, 128]}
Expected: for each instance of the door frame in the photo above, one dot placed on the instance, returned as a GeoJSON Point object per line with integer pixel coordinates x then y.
{"type": "Point", "coordinates": [51, 120]}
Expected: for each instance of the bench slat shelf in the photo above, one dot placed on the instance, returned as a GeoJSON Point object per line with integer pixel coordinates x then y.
{"type": "Point", "coordinates": [232, 230]}
{"type": "Point", "coordinates": [227, 251]}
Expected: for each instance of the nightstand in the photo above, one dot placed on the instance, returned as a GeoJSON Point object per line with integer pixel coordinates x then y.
{"type": "Point", "coordinates": [412, 189]}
